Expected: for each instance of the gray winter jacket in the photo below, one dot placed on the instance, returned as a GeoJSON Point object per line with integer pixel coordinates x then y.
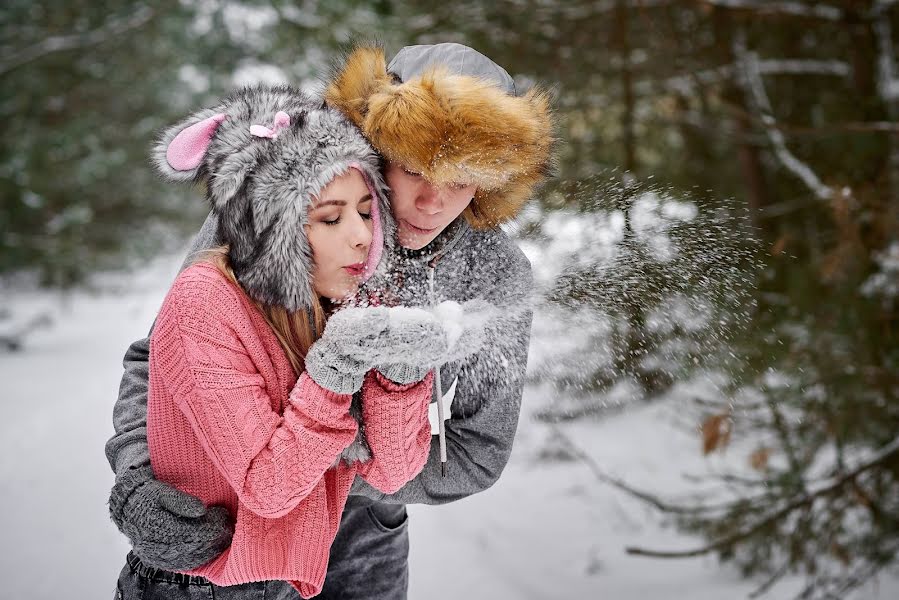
{"type": "Point", "coordinates": [467, 264]}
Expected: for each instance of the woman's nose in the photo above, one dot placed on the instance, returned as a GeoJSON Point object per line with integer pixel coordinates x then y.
{"type": "Point", "coordinates": [360, 235]}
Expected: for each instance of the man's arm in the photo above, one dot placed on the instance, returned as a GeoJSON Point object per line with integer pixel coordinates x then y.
{"type": "Point", "coordinates": [485, 409]}
{"type": "Point", "coordinates": [127, 448]}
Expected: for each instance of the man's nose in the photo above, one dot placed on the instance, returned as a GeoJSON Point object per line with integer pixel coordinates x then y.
{"type": "Point", "coordinates": [429, 200]}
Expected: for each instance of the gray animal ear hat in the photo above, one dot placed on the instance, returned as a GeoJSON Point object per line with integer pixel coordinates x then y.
{"type": "Point", "coordinates": [263, 153]}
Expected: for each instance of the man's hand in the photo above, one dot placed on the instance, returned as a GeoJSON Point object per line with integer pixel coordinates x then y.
{"type": "Point", "coordinates": [168, 528]}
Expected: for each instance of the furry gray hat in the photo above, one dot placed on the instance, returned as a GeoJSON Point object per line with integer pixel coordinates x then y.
{"type": "Point", "coordinates": [263, 153]}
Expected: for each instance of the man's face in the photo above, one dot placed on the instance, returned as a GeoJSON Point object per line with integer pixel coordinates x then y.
{"type": "Point", "coordinates": [421, 209]}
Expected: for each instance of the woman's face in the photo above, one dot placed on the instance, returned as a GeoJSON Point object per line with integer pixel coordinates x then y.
{"type": "Point", "coordinates": [421, 209]}
{"type": "Point", "coordinates": [339, 233]}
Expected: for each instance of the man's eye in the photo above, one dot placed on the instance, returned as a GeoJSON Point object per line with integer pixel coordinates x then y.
{"type": "Point", "coordinates": [334, 222]}
{"type": "Point", "coordinates": [366, 216]}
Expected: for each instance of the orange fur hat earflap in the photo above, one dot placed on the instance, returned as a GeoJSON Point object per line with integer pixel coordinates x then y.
{"type": "Point", "coordinates": [451, 114]}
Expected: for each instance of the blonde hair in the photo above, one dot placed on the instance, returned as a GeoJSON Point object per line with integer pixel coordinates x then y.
{"type": "Point", "coordinates": [296, 331]}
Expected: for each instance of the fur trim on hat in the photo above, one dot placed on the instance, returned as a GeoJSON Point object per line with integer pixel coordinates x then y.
{"type": "Point", "coordinates": [260, 181]}
{"type": "Point", "coordinates": [451, 129]}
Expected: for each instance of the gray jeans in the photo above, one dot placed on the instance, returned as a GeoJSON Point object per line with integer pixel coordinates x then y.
{"type": "Point", "coordinates": [369, 560]}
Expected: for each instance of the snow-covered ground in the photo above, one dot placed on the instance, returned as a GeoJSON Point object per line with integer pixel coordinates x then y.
{"type": "Point", "coordinates": [549, 529]}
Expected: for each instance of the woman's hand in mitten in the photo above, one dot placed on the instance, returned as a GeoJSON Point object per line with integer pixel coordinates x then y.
{"type": "Point", "coordinates": [399, 341]}
{"type": "Point", "coordinates": [339, 359]}
{"type": "Point", "coordinates": [414, 342]}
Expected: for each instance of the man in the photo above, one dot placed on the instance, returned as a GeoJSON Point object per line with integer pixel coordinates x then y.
{"type": "Point", "coordinates": [464, 155]}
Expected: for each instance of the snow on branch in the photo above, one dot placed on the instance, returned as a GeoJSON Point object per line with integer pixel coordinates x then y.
{"type": "Point", "coordinates": [888, 79]}
{"type": "Point", "coordinates": [750, 78]}
{"type": "Point", "coordinates": [795, 9]}
{"type": "Point", "coordinates": [794, 66]}
{"type": "Point", "coordinates": [761, 7]}
{"type": "Point", "coordinates": [581, 10]}
{"type": "Point", "coordinates": [60, 43]}
{"type": "Point", "coordinates": [785, 66]}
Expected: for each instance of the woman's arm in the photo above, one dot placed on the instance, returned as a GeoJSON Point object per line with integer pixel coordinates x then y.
{"type": "Point", "coordinates": [397, 430]}
{"type": "Point", "coordinates": [127, 448]}
{"type": "Point", "coordinates": [272, 461]}
{"type": "Point", "coordinates": [168, 529]}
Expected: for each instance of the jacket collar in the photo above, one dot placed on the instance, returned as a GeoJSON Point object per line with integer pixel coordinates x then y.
{"type": "Point", "coordinates": [448, 239]}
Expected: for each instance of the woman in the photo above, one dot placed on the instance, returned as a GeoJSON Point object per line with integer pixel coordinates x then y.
{"type": "Point", "coordinates": [246, 410]}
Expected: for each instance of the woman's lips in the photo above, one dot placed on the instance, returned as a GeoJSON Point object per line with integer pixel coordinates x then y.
{"type": "Point", "coordinates": [355, 270]}
{"type": "Point", "coordinates": [418, 230]}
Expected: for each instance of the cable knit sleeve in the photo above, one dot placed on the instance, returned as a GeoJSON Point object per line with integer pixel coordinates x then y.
{"type": "Point", "coordinates": [397, 430]}
{"type": "Point", "coordinates": [273, 461]}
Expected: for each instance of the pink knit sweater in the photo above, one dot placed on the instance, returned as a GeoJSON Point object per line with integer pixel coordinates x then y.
{"type": "Point", "coordinates": [228, 421]}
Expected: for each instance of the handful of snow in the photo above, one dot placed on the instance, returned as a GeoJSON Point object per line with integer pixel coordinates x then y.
{"type": "Point", "coordinates": [463, 324]}
{"type": "Point", "coordinates": [451, 315]}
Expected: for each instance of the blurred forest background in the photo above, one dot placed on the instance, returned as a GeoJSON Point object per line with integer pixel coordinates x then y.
{"type": "Point", "coordinates": [775, 120]}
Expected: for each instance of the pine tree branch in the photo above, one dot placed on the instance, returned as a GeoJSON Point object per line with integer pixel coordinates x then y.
{"type": "Point", "coordinates": [820, 11]}
{"type": "Point", "coordinates": [646, 497]}
{"type": "Point", "coordinates": [888, 76]}
{"type": "Point", "coordinates": [771, 581]}
{"type": "Point", "coordinates": [688, 82]}
{"type": "Point", "coordinates": [114, 27]}
{"type": "Point", "coordinates": [609, 479]}
{"type": "Point", "coordinates": [751, 79]}
{"type": "Point", "coordinates": [770, 7]}
{"type": "Point", "coordinates": [837, 588]}
{"type": "Point", "coordinates": [888, 87]}
{"type": "Point", "coordinates": [805, 499]}
{"type": "Point", "coordinates": [728, 478]}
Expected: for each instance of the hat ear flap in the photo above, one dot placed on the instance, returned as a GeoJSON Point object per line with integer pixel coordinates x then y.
{"type": "Point", "coordinates": [181, 149]}
{"type": "Point", "coordinates": [363, 73]}
{"type": "Point", "coordinates": [230, 175]}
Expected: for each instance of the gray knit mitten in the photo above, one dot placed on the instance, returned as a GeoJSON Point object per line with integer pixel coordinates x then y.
{"type": "Point", "coordinates": [404, 373]}
{"type": "Point", "coordinates": [168, 528]}
{"type": "Point", "coordinates": [416, 344]}
{"type": "Point", "coordinates": [336, 360]}
{"type": "Point", "coordinates": [403, 343]}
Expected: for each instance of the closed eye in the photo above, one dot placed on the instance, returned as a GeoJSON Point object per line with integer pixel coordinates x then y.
{"type": "Point", "coordinates": [335, 221]}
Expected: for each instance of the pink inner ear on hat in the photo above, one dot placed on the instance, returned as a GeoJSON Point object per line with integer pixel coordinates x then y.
{"type": "Point", "coordinates": [377, 234]}
{"type": "Point", "coordinates": [186, 151]}
{"type": "Point", "coordinates": [282, 120]}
